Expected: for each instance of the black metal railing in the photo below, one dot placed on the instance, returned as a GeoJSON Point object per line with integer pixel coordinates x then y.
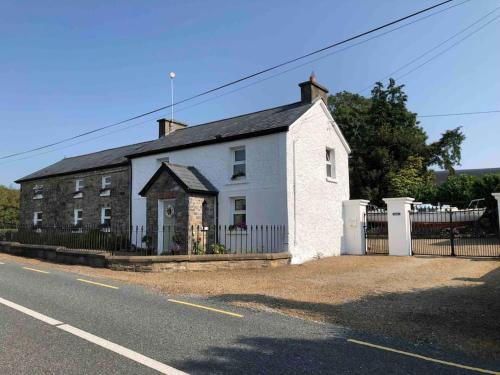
{"type": "Point", "coordinates": [167, 240]}
{"type": "Point", "coordinates": [376, 232]}
{"type": "Point", "coordinates": [462, 232]}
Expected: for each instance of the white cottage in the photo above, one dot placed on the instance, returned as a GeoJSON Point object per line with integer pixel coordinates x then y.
{"type": "Point", "coordinates": [284, 166]}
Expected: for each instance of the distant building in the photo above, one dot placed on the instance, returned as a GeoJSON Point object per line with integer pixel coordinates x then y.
{"type": "Point", "coordinates": [441, 176]}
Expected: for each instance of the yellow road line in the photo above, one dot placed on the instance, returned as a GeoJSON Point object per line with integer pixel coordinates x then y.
{"type": "Point", "coordinates": [424, 358]}
{"type": "Point", "coordinates": [206, 308]}
{"type": "Point", "coordinates": [99, 284]}
{"type": "Point", "coordinates": [34, 270]}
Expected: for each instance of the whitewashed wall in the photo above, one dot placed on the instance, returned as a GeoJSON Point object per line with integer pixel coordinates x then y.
{"type": "Point", "coordinates": [315, 204]}
{"type": "Point", "coordinates": [264, 186]}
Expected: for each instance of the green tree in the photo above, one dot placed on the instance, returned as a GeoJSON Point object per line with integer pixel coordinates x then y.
{"type": "Point", "coordinates": [383, 135]}
{"type": "Point", "coordinates": [412, 180]}
{"type": "Point", "coordinates": [9, 205]}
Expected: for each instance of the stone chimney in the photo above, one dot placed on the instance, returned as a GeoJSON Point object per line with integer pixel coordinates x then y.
{"type": "Point", "coordinates": [310, 90]}
{"type": "Point", "coordinates": [166, 127]}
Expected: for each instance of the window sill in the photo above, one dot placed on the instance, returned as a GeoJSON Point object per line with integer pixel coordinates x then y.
{"type": "Point", "coordinates": [332, 180]}
{"type": "Point", "coordinates": [105, 193]}
{"type": "Point", "coordinates": [237, 182]}
{"type": "Point", "coordinates": [36, 198]}
{"type": "Point", "coordinates": [77, 195]}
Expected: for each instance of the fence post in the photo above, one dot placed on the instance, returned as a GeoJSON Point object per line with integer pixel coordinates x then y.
{"type": "Point", "coordinates": [354, 226]}
{"type": "Point", "coordinates": [399, 226]}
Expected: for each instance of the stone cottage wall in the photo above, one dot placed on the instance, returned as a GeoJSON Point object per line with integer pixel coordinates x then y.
{"type": "Point", "coordinates": [166, 187]}
{"type": "Point", "coordinates": [58, 202]}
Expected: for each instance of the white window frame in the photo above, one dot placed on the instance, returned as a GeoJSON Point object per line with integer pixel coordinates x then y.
{"type": "Point", "coordinates": [79, 185]}
{"type": "Point", "coordinates": [106, 182]}
{"type": "Point", "coordinates": [76, 219]}
{"type": "Point", "coordinates": [36, 220]}
{"type": "Point", "coordinates": [105, 217]}
{"type": "Point", "coordinates": [38, 192]}
{"type": "Point", "coordinates": [234, 211]}
{"type": "Point", "coordinates": [238, 162]}
{"type": "Point", "coordinates": [330, 162]}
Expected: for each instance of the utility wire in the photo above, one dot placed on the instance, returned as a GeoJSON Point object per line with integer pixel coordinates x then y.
{"type": "Point", "coordinates": [459, 114]}
{"type": "Point", "coordinates": [238, 80]}
{"type": "Point", "coordinates": [431, 49]}
{"type": "Point", "coordinates": [447, 49]}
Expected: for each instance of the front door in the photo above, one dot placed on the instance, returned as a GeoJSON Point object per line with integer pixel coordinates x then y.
{"type": "Point", "coordinates": [168, 224]}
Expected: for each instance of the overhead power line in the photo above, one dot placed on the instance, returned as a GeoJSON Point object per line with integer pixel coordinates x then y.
{"type": "Point", "coordinates": [460, 114]}
{"type": "Point", "coordinates": [357, 36]}
{"type": "Point", "coordinates": [434, 48]}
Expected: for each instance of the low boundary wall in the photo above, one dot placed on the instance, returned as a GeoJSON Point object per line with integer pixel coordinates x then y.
{"type": "Point", "coordinates": [169, 263]}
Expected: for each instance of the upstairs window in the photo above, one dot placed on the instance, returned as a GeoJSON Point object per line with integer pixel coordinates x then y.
{"type": "Point", "coordinates": [79, 185]}
{"type": "Point", "coordinates": [78, 217]}
{"type": "Point", "coordinates": [38, 218]}
{"type": "Point", "coordinates": [330, 164]}
{"type": "Point", "coordinates": [106, 217]}
{"type": "Point", "coordinates": [239, 163]}
{"type": "Point", "coordinates": [105, 186]}
{"type": "Point", "coordinates": [240, 212]}
{"type": "Point", "coordinates": [38, 192]}
{"type": "Point", "coordinates": [106, 182]}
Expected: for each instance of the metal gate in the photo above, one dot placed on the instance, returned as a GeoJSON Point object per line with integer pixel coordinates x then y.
{"type": "Point", "coordinates": [467, 232]}
{"type": "Point", "coordinates": [376, 234]}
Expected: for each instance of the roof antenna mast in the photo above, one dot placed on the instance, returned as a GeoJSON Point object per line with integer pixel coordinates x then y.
{"type": "Point", "coordinates": [172, 76]}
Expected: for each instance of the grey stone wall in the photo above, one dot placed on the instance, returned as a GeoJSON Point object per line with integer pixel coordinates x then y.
{"type": "Point", "coordinates": [166, 187]}
{"type": "Point", "coordinates": [58, 202]}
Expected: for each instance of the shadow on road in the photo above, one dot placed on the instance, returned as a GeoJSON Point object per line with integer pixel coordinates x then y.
{"type": "Point", "coordinates": [458, 318]}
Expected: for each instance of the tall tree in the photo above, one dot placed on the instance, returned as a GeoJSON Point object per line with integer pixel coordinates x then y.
{"type": "Point", "coordinates": [383, 135]}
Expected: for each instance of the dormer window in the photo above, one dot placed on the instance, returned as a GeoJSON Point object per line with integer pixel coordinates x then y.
{"type": "Point", "coordinates": [105, 186]}
{"type": "Point", "coordinates": [239, 163]}
{"type": "Point", "coordinates": [38, 192]}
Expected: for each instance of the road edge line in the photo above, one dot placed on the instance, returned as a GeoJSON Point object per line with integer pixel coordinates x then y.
{"type": "Point", "coordinates": [442, 362]}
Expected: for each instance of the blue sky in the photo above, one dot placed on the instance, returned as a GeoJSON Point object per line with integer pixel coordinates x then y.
{"type": "Point", "coordinates": [69, 67]}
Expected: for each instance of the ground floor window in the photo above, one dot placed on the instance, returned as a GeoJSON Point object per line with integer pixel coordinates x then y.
{"type": "Point", "coordinates": [37, 218]}
{"type": "Point", "coordinates": [78, 217]}
{"type": "Point", "coordinates": [239, 208]}
{"type": "Point", "coordinates": [106, 216]}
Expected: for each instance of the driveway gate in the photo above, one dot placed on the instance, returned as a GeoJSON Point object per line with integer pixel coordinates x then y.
{"type": "Point", "coordinates": [376, 234]}
{"type": "Point", "coordinates": [468, 232]}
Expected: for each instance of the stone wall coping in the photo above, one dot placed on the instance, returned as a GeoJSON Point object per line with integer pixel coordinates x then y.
{"type": "Point", "coordinates": [399, 200]}
{"type": "Point", "coordinates": [198, 258]}
{"type": "Point", "coordinates": [57, 249]}
{"type": "Point", "coordinates": [360, 202]}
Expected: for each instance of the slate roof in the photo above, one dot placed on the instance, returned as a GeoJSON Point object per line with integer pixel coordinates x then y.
{"type": "Point", "coordinates": [188, 177]}
{"type": "Point", "coordinates": [441, 176]}
{"type": "Point", "coordinates": [96, 160]}
{"type": "Point", "coordinates": [267, 121]}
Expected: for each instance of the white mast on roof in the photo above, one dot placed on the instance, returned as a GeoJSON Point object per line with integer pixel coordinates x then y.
{"type": "Point", "coordinates": [172, 76]}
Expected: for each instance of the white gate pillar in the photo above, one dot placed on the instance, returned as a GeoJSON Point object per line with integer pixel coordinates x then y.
{"type": "Point", "coordinates": [497, 197]}
{"type": "Point", "coordinates": [398, 222]}
{"type": "Point", "coordinates": [354, 226]}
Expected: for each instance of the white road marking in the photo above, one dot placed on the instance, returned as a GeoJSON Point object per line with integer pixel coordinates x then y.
{"type": "Point", "coordinates": [30, 312]}
{"type": "Point", "coordinates": [2, 263]}
{"type": "Point", "coordinates": [99, 284]}
{"type": "Point", "coordinates": [130, 354]}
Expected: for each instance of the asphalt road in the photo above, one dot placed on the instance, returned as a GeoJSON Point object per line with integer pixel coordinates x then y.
{"type": "Point", "coordinates": [53, 323]}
